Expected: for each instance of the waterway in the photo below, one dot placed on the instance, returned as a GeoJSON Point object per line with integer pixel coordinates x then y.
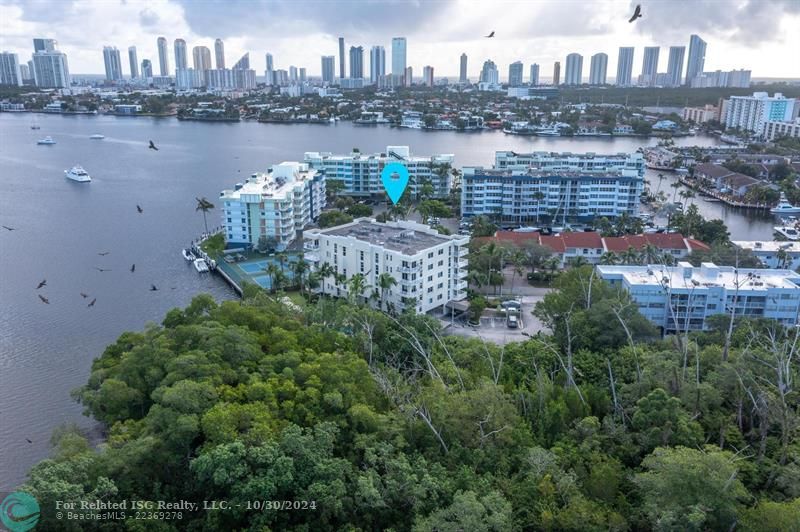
{"type": "Point", "coordinates": [46, 350]}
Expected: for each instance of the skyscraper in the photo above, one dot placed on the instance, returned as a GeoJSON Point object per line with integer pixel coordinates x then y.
{"type": "Point", "coordinates": [408, 77]}
{"type": "Point", "coordinates": [112, 62]}
{"type": "Point", "coordinates": [515, 74]}
{"type": "Point", "coordinates": [147, 69]}
{"type": "Point", "coordinates": [356, 62]}
{"type": "Point", "coordinates": [328, 68]}
{"type": "Point", "coordinates": [556, 73]}
{"type": "Point", "coordinates": [649, 66]}
{"type": "Point", "coordinates": [24, 72]}
{"type": "Point", "coordinates": [268, 72]}
{"type": "Point", "coordinates": [625, 66]}
{"type": "Point", "coordinates": [10, 73]}
{"type": "Point", "coordinates": [427, 76]}
{"type": "Point", "coordinates": [293, 74]}
{"type": "Point", "coordinates": [489, 73]}
{"type": "Point", "coordinates": [134, 62]}
{"type": "Point", "coordinates": [534, 79]}
{"type": "Point", "coordinates": [44, 45]}
{"type": "Point", "coordinates": [243, 63]}
{"type": "Point", "coordinates": [163, 58]}
{"type": "Point", "coordinates": [675, 65]}
{"type": "Point", "coordinates": [341, 57]}
{"type": "Point", "coordinates": [697, 58]}
{"type": "Point", "coordinates": [50, 67]}
{"type": "Point", "coordinates": [399, 57]}
{"type": "Point", "coordinates": [462, 77]}
{"type": "Point", "coordinates": [598, 69]}
{"type": "Point", "coordinates": [180, 55]}
{"type": "Point", "coordinates": [201, 58]}
{"type": "Point", "coordinates": [574, 70]}
{"type": "Point", "coordinates": [219, 53]}
{"type": "Point", "coordinates": [377, 64]}
{"type": "Point", "coordinates": [303, 74]}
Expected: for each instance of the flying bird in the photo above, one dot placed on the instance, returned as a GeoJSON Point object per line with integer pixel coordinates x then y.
{"type": "Point", "coordinates": [84, 296]}
{"type": "Point", "coordinates": [152, 146]}
{"type": "Point", "coordinates": [28, 440]}
{"type": "Point", "coordinates": [101, 269]}
{"type": "Point", "coordinates": [7, 228]}
{"type": "Point", "coordinates": [153, 288]}
{"type": "Point", "coordinates": [43, 283]}
{"type": "Point", "coordinates": [92, 303]}
{"type": "Point", "coordinates": [104, 253]}
{"type": "Point", "coordinates": [637, 13]}
{"type": "Point", "coordinates": [139, 208]}
{"type": "Point", "coordinates": [490, 35]}
{"type": "Point", "coordinates": [133, 268]}
{"type": "Point", "coordinates": [44, 299]}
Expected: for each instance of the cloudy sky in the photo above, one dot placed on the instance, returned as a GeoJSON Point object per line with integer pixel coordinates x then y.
{"type": "Point", "coordinates": [752, 34]}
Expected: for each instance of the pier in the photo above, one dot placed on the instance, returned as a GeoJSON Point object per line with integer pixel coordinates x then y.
{"type": "Point", "coordinates": [724, 198]}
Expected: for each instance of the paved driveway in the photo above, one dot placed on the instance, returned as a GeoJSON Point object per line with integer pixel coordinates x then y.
{"type": "Point", "coordinates": [493, 326]}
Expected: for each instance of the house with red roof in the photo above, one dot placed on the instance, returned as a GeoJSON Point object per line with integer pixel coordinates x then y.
{"type": "Point", "coordinates": [591, 246]}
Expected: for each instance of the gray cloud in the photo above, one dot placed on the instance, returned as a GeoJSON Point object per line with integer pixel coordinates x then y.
{"type": "Point", "coordinates": [148, 17]}
{"type": "Point", "coordinates": [747, 22]}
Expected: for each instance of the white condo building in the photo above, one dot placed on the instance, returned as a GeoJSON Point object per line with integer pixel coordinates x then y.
{"type": "Point", "coordinates": [751, 113]}
{"type": "Point", "coordinates": [430, 269]}
{"type": "Point", "coordinates": [598, 68]}
{"type": "Point", "coordinates": [361, 173]}
{"type": "Point", "coordinates": [777, 128]}
{"type": "Point", "coordinates": [10, 73]}
{"type": "Point", "coordinates": [112, 63]}
{"type": "Point", "coordinates": [521, 188]}
{"type": "Point", "coordinates": [276, 204]}
{"type": "Point", "coordinates": [574, 70]}
{"type": "Point", "coordinates": [625, 66]}
{"type": "Point", "coordinates": [50, 69]}
{"type": "Point", "coordinates": [677, 298]}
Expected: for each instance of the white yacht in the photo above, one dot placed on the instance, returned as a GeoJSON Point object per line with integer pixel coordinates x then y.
{"type": "Point", "coordinates": [188, 255]}
{"type": "Point", "coordinates": [786, 233]}
{"type": "Point", "coordinates": [200, 265]}
{"type": "Point", "coordinates": [77, 173]}
{"type": "Point", "coordinates": [47, 140]}
{"type": "Point", "coordinates": [97, 136]}
{"type": "Point", "coordinates": [784, 207]}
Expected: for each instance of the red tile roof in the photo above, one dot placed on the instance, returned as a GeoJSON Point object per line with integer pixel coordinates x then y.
{"type": "Point", "coordinates": [556, 243]}
{"type": "Point", "coordinates": [582, 240]}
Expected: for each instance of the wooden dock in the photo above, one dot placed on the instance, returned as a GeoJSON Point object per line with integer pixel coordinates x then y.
{"type": "Point", "coordinates": [694, 185]}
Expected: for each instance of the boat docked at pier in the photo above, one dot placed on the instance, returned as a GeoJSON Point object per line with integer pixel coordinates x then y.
{"type": "Point", "coordinates": [200, 265]}
{"type": "Point", "coordinates": [188, 255]}
{"type": "Point", "coordinates": [77, 173]}
{"type": "Point", "coordinates": [785, 207]}
{"type": "Point", "coordinates": [786, 232]}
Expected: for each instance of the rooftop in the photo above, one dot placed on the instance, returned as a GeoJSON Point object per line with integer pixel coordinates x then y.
{"type": "Point", "coordinates": [399, 153]}
{"type": "Point", "coordinates": [773, 246]}
{"type": "Point", "coordinates": [478, 171]}
{"type": "Point", "coordinates": [277, 183]}
{"type": "Point", "coordinates": [708, 275]}
{"type": "Point", "coordinates": [408, 238]}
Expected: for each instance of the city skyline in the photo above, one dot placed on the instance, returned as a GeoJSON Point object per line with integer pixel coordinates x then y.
{"type": "Point", "coordinates": [732, 44]}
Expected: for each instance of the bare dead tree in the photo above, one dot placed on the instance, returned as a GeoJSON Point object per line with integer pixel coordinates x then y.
{"type": "Point", "coordinates": [617, 407]}
{"type": "Point", "coordinates": [618, 313]}
{"type": "Point", "coordinates": [485, 435]}
{"type": "Point", "coordinates": [424, 415]}
{"type": "Point", "coordinates": [447, 353]}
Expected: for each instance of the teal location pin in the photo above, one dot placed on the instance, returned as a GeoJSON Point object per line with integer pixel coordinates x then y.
{"type": "Point", "coordinates": [395, 180]}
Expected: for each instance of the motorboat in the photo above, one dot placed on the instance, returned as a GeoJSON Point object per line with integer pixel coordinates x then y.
{"type": "Point", "coordinates": [97, 136]}
{"type": "Point", "coordinates": [787, 232]}
{"type": "Point", "coordinates": [200, 265]}
{"type": "Point", "coordinates": [46, 141]}
{"type": "Point", "coordinates": [785, 207]}
{"type": "Point", "coordinates": [77, 173]}
{"type": "Point", "coordinates": [188, 255]}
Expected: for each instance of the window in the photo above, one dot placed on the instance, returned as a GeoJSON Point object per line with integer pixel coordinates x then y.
{"type": "Point", "coordinates": [441, 251]}
{"type": "Point", "coordinates": [430, 255]}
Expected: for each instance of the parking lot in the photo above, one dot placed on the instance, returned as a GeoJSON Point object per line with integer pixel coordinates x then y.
{"type": "Point", "coordinates": [493, 327]}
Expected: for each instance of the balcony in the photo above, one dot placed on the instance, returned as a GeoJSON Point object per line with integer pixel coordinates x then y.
{"type": "Point", "coordinates": [461, 285]}
{"type": "Point", "coordinates": [409, 269]}
{"type": "Point", "coordinates": [462, 264]}
{"type": "Point", "coordinates": [463, 251]}
{"type": "Point", "coordinates": [310, 246]}
{"type": "Point", "coordinates": [462, 274]}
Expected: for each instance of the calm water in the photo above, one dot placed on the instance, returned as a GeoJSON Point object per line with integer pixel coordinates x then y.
{"type": "Point", "coordinates": [47, 350]}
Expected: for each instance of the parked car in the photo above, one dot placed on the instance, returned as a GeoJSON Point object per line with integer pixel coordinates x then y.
{"type": "Point", "coordinates": [512, 322]}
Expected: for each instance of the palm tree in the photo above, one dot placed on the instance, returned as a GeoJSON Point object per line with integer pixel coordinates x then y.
{"type": "Point", "coordinates": [676, 185]}
{"type": "Point", "coordinates": [518, 259]}
{"type": "Point", "coordinates": [299, 270]}
{"type": "Point", "coordinates": [356, 286]}
{"type": "Point", "coordinates": [280, 279]}
{"type": "Point", "coordinates": [272, 270]}
{"type": "Point", "coordinates": [650, 254]}
{"type": "Point", "coordinates": [630, 256]}
{"type": "Point", "coordinates": [282, 258]}
{"type": "Point", "coordinates": [782, 257]}
{"type": "Point", "coordinates": [204, 205]}
{"type": "Point", "coordinates": [609, 257]}
{"type": "Point", "coordinates": [660, 179]}
{"type": "Point", "coordinates": [385, 283]}
{"type": "Point", "coordinates": [686, 194]}
{"type": "Point", "coordinates": [577, 262]}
